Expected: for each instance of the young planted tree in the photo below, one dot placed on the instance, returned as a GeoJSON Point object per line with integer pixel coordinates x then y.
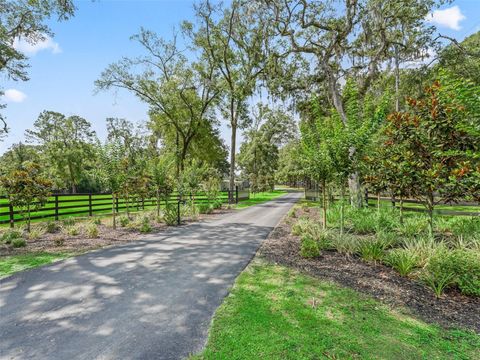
{"type": "Point", "coordinates": [67, 142]}
{"type": "Point", "coordinates": [161, 169]}
{"type": "Point", "coordinates": [211, 185]}
{"type": "Point", "coordinates": [27, 189]}
{"type": "Point", "coordinates": [113, 177]}
{"type": "Point", "coordinates": [315, 158]}
{"type": "Point", "coordinates": [440, 134]}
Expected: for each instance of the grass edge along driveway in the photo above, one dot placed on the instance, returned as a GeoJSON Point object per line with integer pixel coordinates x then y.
{"type": "Point", "coordinates": [274, 312]}
{"type": "Point", "coordinates": [259, 198]}
{"type": "Point", "coordinates": [13, 263]}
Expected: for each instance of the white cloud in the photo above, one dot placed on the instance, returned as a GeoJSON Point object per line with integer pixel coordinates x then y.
{"type": "Point", "coordinates": [31, 49]}
{"type": "Point", "coordinates": [449, 18]}
{"type": "Point", "coordinates": [14, 95]}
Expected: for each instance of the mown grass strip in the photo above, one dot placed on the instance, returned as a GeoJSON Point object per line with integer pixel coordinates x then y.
{"type": "Point", "coordinates": [14, 263]}
{"type": "Point", "coordinates": [274, 312]}
{"type": "Point", "coordinates": [259, 198]}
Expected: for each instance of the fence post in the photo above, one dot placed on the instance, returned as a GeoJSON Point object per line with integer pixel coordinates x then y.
{"type": "Point", "coordinates": [116, 203]}
{"type": "Point", "coordinates": [236, 194]}
{"type": "Point", "coordinates": [90, 212]}
{"type": "Point", "coordinates": [178, 212]}
{"type": "Point", "coordinates": [56, 207]}
{"type": "Point", "coordinates": [12, 219]}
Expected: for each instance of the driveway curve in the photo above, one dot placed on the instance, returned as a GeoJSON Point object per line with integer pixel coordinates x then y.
{"type": "Point", "coordinates": [149, 299]}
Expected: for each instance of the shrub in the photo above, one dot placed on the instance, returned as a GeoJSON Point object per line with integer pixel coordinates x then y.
{"type": "Point", "coordinates": [217, 204]}
{"type": "Point", "coordinates": [466, 265]}
{"type": "Point", "coordinates": [59, 241]}
{"type": "Point", "coordinates": [145, 226]}
{"type": "Point", "coordinates": [372, 249]}
{"type": "Point", "coordinates": [51, 227]}
{"type": "Point", "coordinates": [17, 243]}
{"type": "Point", "coordinates": [11, 235]}
{"type": "Point", "coordinates": [92, 230]}
{"type": "Point", "coordinates": [205, 208]}
{"type": "Point", "coordinates": [402, 260]}
{"type": "Point", "coordinates": [438, 273]}
{"type": "Point", "coordinates": [124, 221]}
{"type": "Point", "coordinates": [309, 247]}
{"type": "Point", "coordinates": [170, 216]}
{"type": "Point", "coordinates": [97, 221]}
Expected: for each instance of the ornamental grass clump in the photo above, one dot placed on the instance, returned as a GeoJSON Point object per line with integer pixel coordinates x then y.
{"type": "Point", "coordinates": [91, 231]}
{"type": "Point", "coordinates": [403, 261]}
{"type": "Point", "coordinates": [372, 249]}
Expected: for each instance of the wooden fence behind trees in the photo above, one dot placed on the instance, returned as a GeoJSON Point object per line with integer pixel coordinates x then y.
{"type": "Point", "coordinates": [67, 205]}
{"type": "Point", "coordinates": [468, 208]}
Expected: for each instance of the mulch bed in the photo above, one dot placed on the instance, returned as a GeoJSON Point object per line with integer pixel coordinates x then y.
{"type": "Point", "coordinates": [60, 242]}
{"type": "Point", "coordinates": [383, 283]}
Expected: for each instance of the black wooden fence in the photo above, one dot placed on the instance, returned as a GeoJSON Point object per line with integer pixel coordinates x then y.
{"type": "Point", "coordinates": [67, 205]}
{"type": "Point", "coordinates": [314, 195]}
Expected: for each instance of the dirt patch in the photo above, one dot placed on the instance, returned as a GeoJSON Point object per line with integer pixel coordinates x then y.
{"type": "Point", "coordinates": [61, 241]}
{"type": "Point", "coordinates": [451, 310]}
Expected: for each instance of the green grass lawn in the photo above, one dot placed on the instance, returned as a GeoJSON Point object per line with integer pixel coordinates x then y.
{"type": "Point", "coordinates": [277, 313]}
{"type": "Point", "coordinates": [15, 263]}
{"type": "Point", "coordinates": [259, 198]}
{"type": "Point", "coordinates": [451, 207]}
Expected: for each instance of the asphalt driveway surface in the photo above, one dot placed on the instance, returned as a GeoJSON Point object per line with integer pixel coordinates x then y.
{"type": "Point", "coordinates": [150, 299]}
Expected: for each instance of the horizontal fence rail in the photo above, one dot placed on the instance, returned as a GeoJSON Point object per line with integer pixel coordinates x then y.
{"type": "Point", "coordinates": [67, 205]}
{"type": "Point", "coordinates": [473, 208]}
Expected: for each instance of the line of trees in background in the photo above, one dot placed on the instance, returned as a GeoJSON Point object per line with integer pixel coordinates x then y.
{"type": "Point", "coordinates": [374, 109]}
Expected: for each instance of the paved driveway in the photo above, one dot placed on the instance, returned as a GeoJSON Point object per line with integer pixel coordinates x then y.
{"type": "Point", "coordinates": [150, 299]}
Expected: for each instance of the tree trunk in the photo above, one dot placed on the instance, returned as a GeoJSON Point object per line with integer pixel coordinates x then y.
{"type": "Point", "coordinates": [401, 210]}
{"type": "Point", "coordinates": [28, 218]}
{"type": "Point", "coordinates": [127, 200]}
{"type": "Point", "coordinates": [397, 81]}
{"type": "Point", "coordinates": [342, 209]}
{"type": "Point", "coordinates": [324, 210]}
{"type": "Point", "coordinates": [72, 179]}
{"type": "Point", "coordinates": [232, 164]}
{"type": "Point", "coordinates": [430, 206]}
{"type": "Point", "coordinates": [378, 202]}
{"type": "Point", "coordinates": [158, 203]}
{"type": "Point", "coordinates": [355, 188]}
{"type": "Point", "coordinates": [113, 212]}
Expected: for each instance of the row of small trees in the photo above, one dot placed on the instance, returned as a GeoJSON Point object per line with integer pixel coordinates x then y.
{"type": "Point", "coordinates": [430, 151]}
{"type": "Point", "coordinates": [130, 174]}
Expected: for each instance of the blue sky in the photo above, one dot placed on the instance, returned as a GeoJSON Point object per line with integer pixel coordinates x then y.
{"type": "Point", "coordinates": [63, 69]}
